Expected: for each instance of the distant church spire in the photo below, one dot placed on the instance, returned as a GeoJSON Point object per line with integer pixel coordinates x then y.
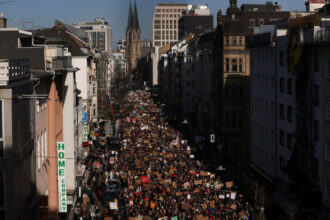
{"type": "Point", "coordinates": [130, 17]}
{"type": "Point", "coordinates": [133, 38]}
{"type": "Point", "coordinates": [136, 25]}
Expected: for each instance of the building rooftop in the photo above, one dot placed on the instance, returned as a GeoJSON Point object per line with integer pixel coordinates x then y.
{"type": "Point", "coordinates": [174, 5]}
{"type": "Point", "coordinates": [267, 7]}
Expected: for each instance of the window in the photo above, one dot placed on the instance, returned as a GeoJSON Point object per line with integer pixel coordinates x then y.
{"type": "Point", "coordinates": [240, 41]}
{"type": "Point", "coordinates": [282, 137]}
{"type": "Point", "coordinates": [316, 130]}
{"type": "Point", "coordinates": [42, 149]}
{"type": "Point", "coordinates": [316, 61]}
{"type": "Point", "coordinates": [282, 111]}
{"type": "Point", "coordinates": [38, 151]}
{"type": "Point", "coordinates": [290, 141]}
{"type": "Point", "coordinates": [282, 57]}
{"type": "Point", "coordinates": [289, 86]}
{"type": "Point", "coordinates": [252, 23]}
{"type": "Point", "coordinates": [240, 67]}
{"type": "Point", "coordinates": [290, 113]}
{"type": "Point", "coordinates": [282, 85]}
{"type": "Point", "coordinates": [38, 105]}
{"type": "Point", "coordinates": [316, 101]}
{"type": "Point", "coordinates": [227, 41]}
{"type": "Point", "coordinates": [227, 65]}
{"type": "Point", "coordinates": [94, 109]}
{"type": "Point", "coordinates": [234, 65]}
{"type": "Point", "coordinates": [234, 41]}
{"type": "Point", "coordinates": [261, 21]}
{"type": "Point", "coordinates": [45, 145]}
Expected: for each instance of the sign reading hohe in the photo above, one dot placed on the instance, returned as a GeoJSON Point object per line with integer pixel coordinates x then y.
{"type": "Point", "coordinates": [61, 177]}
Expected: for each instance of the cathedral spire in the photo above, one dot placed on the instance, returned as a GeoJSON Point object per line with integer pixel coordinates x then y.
{"type": "Point", "coordinates": [136, 25]}
{"type": "Point", "coordinates": [130, 17]}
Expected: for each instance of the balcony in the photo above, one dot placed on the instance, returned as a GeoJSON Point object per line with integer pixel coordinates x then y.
{"type": "Point", "coordinates": [13, 71]}
{"type": "Point", "coordinates": [59, 63]}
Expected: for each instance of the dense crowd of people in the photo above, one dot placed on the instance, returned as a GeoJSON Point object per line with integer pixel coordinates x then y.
{"type": "Point", "coordinates": [157, 173]}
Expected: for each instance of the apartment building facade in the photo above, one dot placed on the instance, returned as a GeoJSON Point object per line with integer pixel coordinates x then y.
{"type": "Point", "coordinates": [165, 23]}
{"type": "Point", "coordinates": [289, 112]}
{"type": "Point", "coordinates": [99, 33]}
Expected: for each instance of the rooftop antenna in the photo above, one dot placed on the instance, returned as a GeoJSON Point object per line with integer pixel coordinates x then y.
{"type": "Point", "coordinates": [16, 20]}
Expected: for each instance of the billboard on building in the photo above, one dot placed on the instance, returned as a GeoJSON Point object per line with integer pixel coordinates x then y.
{"type": "Point", "coordinates": [61, 177]}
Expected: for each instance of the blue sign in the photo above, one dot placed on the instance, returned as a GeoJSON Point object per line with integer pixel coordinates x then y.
{"type": "Point", "coordinates": [84, 116]}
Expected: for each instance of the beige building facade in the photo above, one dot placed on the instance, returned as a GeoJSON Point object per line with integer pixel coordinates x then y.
{"type": "Point", "coordinates": [165, 23]}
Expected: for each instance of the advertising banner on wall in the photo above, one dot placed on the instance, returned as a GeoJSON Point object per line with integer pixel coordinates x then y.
{"type": "Point", "coordinates": [61, 177]}
{"type": "Point", "coordinates": [85, 131]}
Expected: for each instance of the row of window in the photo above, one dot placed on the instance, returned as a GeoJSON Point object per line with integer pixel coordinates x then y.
{"type": "Point", "coordinates": [253, 22]}
{"type": "Point", "coordinates": [261, 106]}
{"type": "Point", "coordinates": [157, 27]}
{"type": "Point", "coordinates": [42, 148]}
{"type": "Point", "coordinates": [234, 65]}
{"type": "Point", "coordinates": [166, 37]}
{"type": "Point", "coordinates": [234, 41]}
{"type": "Point", "coordinates": [162, 43]}
{"type": "Point", "coordinates": [286, 139]}
{"type": "Point", "coordinates": [169, 10]}
{"type": "Point", "coordinates": [261, 155]}
{"type": "Point", "coordinates": [261, 134]}
{"type": "Point", "coordinates": [288, 87]}
{"type": "Point", "coordinates": [289, 112]}
{"type": "Point", "coordinates": [261, 81]}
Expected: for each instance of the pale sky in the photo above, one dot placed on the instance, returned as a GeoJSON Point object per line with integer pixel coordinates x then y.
{"type": "Point", "coordinates": [45, 12]}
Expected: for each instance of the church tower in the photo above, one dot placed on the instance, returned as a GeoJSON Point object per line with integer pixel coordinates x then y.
{"type": "Point", "coordinates": [133, 38]}
{"type": "Point", "coordinates": [233, 12]}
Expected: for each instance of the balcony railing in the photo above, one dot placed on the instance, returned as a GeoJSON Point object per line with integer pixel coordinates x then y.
{"type": "Point", "coordinates": [60, 63]}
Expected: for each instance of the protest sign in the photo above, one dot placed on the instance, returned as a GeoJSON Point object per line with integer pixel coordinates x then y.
{"type": "Point", "coordinates": [229, 184]}
{"type": "Point", "coordinates": [198, 182]}
{"type": "Point", "coordinates": [113, 205]}
{"type": "Point", "coordinates": [201, 217]}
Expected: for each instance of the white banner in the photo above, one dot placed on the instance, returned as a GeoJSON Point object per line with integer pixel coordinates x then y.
{"type": "Point", "coordinates": [61, 177]}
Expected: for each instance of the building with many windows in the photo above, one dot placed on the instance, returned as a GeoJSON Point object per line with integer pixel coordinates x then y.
{"type": "Point", "coordinates": [99, 33]}
{"type": "Point", "coordinates": [290, 112]}
{"type": "Point", "coordinates": [196, 20]}
{"type": "Point", "coordinates": [166, 23]}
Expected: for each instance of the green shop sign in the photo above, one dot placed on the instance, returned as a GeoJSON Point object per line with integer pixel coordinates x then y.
{"type": "Point", "coordinates": [61, 177]}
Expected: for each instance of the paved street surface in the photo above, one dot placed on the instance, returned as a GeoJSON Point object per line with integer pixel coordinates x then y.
{"type": "Point", "coordinates": [158, 174]}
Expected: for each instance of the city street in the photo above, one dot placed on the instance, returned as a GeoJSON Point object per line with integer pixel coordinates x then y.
{"type": "Point", "coordinates": [157, 174]}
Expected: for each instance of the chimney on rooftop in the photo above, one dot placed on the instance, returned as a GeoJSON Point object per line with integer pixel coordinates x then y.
{"type": "Point", "coordinates": [3, 21]}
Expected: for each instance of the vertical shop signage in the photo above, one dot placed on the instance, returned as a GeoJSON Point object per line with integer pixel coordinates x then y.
{"type": "Point", "coordinates": [85, 132]}
{"type": "Point", "coordinates": [61, 177]}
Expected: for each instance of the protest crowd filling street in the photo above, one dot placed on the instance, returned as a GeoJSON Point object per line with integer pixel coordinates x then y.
{"type": "Point", "coordinates": [157, 173]}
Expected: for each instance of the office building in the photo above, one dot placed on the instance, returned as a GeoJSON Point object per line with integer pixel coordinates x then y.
{"type": "Point", "coordinates": [99, 33]}
{"type": "Point", "coordinates": [165, 23]}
